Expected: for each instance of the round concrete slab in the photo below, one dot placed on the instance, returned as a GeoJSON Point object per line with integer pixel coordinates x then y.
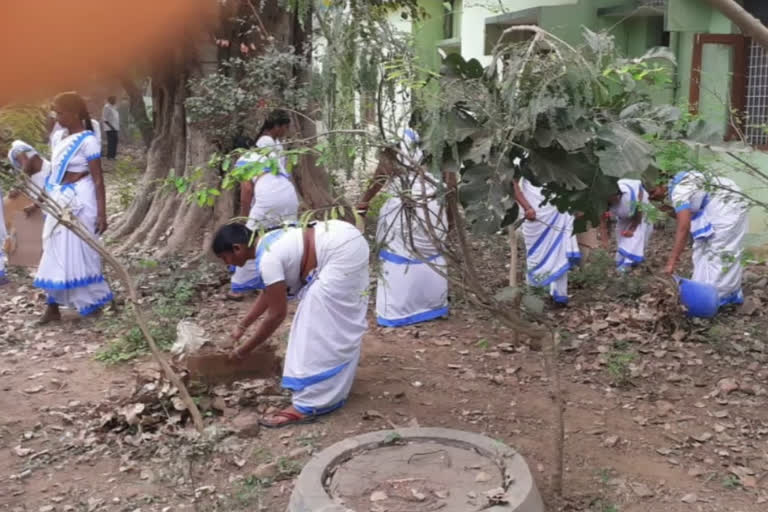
{"type": "Point", "coordinates": [416, 469]}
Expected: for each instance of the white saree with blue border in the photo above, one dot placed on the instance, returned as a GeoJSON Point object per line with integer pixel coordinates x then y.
{"type": "Point", "coordinates": [274, 203]}
{"type": "Point", "coordinates": [409, 289]}
{"type": "Point", "coordinates": [718, 226]}
{"type": "Point", "coordinates": [70, 271]}
{"type": "Point", "coordinates": [630, 251]}
{"type": "Point", "coordinates": [551, 247]}
{"type": "Point", "coordinates": [330, 320]}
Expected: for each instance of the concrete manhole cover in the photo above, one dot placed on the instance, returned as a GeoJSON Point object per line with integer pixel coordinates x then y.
{"type": "Point", "coordinates": [416, 470]}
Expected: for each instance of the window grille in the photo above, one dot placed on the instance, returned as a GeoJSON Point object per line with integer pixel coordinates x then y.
{"type": "Point", "coordinates": [756, 109]}
{"type": "Point", "coordinates": [756, 105]}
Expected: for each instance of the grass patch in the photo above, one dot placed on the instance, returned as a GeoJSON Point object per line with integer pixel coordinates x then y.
{"type": "Point", "coordinates": [617, 364]}
{"type": "Point", "coordinates": [248, 495]}
{"type": "Point", "coordinates": [126, 176]}
{"type": "Point", "coordinates": [171, 301]}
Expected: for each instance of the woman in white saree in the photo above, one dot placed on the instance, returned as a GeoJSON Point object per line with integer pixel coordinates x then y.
{"type": "Point", "coordinates": [712, 211]}
{"type": "Point", "coordinates": [269, 199]}
{"type": "Point", "coordinates": [551, 246]}
{"type": "Point", "coordinates": [70, 271]}
{"type": "Point", "coordinates": [326, 266]}
{"type": "Point", "coordinates": [409, 290]}
{"type": "Point", "coordinates": [633, 231]}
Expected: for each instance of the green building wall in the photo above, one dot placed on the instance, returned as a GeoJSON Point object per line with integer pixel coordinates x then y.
{"type": "Point", "coordinates": [634, 35]}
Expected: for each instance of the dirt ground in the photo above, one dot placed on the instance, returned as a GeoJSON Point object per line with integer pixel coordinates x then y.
{"type": "Point", "coordinates": [662, 412]}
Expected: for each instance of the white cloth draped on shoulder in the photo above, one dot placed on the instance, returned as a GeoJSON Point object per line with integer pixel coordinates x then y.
{"type": "Point", "coordinates": [274, 202]}
{"type": "Point", "coordinates": [551, 246]}
{"type": "Point", "coordinates": [718, 227]}
{"type": "Point", "coordinates": [330, 320]}
{"type": "Point", "coordinates": [630, 251]}
{"type": "Point", "coordinates": [18, 148]}
{"type": "Point", "coordinates": [70, 271]}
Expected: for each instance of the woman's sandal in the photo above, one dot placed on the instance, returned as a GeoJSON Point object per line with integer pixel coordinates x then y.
{"type": "Point", "coordinates": [291, 418]}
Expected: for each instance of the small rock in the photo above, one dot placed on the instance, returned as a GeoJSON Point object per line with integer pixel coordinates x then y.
{"type": "Point", "coordinates": [268, 470]}
{"type": "Point", "coordinates": [379, 496]}
{"type": "Point", "coordinates": [675, 377]}
{"type": "Point", "coordinates": [611, 441]}
{"type": "Point", "coordinates": [482, 477]}
{"type": "Point", "coordinates": [442, 343]}
{"type": "Point", "coordinates": [22, 452]}
{"type": "Point", "coordinates": [417, 495]}
{"type": "Point", "coordinates": [299, 452]}
{"type": "Point", "coordinates": [46, 508]}
{"type": "Point", "coordinates": [372, 414]}
{"type": "Point", "coordinates": [690, 498]}
{"type": "Point", "coordinates": [727, 385]}
{"type": "Point", "coordinates": [246, 424]}
{"type": "Point", "coordinates": [703, 437]}
{"type": "Point", "coordinates": [417, 384]}
{"type": "Point", "coordinates": [751, 306]}
{"type": "Point", "coordinates": [33, 390]}
{"type": "Point", "coordinates": [642, 490]}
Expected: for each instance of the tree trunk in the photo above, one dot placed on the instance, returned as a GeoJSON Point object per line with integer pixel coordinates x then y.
{"type": "Point", "coordinates": [138, 110]}
{"type": "Point", "coordinates": [748, 24]}
{"type": "Point", "coordinates": [167, 221]}
{"type": "Point", "coordinates": [311, 180]}
{"type": "Point", "coordinates": [168, 97]}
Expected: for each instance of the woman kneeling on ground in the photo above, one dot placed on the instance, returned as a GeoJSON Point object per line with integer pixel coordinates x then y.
{"type": "Point", "coordinates": [326, 267]}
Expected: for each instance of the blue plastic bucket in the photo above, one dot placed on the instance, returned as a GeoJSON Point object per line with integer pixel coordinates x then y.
{"type": "Point", "coordinates": [700, 299]}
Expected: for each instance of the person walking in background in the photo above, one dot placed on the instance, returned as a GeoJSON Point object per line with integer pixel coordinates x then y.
{"type": "Point", "coordinates": [110, 117]}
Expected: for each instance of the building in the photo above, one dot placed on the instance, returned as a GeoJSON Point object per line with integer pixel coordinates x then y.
{"type": "Point", "coordinates": [720, 74]}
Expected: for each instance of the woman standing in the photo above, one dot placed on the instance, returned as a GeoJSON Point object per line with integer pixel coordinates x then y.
{"type": "Point", "coordinates": [269, 199]}
{"type": "Point", "coordinates": [633, 231]}
{"type": "Point", "coordinates": [409, 290]}
{"type": "Point", "coordinates": [552, 248]}
{"type": "Point", "coordinates": [326, 266]}
{"type": "Point", "coordinates": [713, 212]}
{"type": "Point", "coordinates": [70, 271]}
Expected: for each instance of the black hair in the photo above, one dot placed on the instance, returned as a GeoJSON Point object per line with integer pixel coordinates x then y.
{"type": "Point", "coordinates": [73, 102]}
{"type": "Point", "coordinates": [228, 235]}
{"type": "Point", "coordinates": [274, 119]}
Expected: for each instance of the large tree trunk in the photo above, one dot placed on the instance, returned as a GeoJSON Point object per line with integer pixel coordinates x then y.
{"type": "Point", "coordinates": [311, 179]}
{"type": "Point", "coordinates": [748, 24]}
{"type": "Point", "coordinates": [168, 93]}
{"type": "Point", "coordinates": [138, 110]}
{"type": "Point", "coordinates": [169, 222]}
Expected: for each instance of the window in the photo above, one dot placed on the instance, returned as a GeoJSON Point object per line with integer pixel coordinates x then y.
{"type": "Point", "coordinates": [448, 8]}
{"type": "Point", "coordinates": [737, 46]}
{"type": "Point", "coordinates": [756, 102]}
